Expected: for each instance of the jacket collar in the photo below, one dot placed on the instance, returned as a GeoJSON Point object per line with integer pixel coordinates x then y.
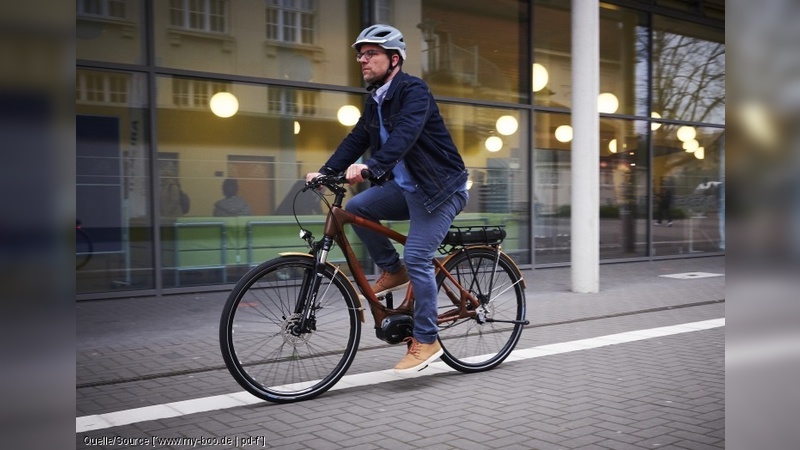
{"type": "Point", "coordinates": [395, 82]}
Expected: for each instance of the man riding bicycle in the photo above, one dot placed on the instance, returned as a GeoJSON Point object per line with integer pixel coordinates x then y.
{"type": "Point", "coordinates": [418, 175]}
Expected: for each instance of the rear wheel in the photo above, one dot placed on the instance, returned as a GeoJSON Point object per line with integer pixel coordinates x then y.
{"type": "Point", "coordinates": [261, 338]}
{"type": "Point", "coordinates": [485, 339]}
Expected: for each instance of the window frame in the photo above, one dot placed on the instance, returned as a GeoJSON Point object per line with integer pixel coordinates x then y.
{"type": "Point", "coordinates": [102, 88]}
{"type": "Point", "coordinates": [294, 102]}
{"type": "Point", "coordinates": [107, 8]}
{"type": "Point", "coordinates": [191, 93]}
{"type": "Point", "coordinates": [291, 21]}
{"type": "Point", "coordinates": [213, 16]}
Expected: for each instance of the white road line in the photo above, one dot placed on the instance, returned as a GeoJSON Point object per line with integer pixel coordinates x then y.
{"type": "Point", "coordinates": [692, 275]}
{"type": "Point", "coordinates": [217, 402]}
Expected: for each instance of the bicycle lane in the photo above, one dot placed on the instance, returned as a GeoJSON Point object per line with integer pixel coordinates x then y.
{"type": "Point", "coordinates": [547, 305]}
{"type": "Point", "coordinates": [186, 407]}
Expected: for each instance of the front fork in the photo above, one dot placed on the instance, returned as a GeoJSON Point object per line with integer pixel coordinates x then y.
{"type": "Point", "coordinates": [307, 300]}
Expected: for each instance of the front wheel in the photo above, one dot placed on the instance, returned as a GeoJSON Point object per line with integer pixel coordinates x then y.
{"type": "Point", "coordinates": [265, 347]}
{"type": "Point", "coordinates": [485, 338]}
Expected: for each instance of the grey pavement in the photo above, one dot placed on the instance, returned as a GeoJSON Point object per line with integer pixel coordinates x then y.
{"type": "Point", "coordinates": [661, 392]}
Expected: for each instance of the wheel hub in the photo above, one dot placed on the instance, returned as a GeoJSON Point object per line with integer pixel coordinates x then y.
{"type": "Point", "coordinates": [484, 311]}
{"type": "Point", "coordinates": [291, 331]}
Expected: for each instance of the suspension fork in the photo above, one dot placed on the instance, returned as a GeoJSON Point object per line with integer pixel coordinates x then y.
{"type": "Point", "coordinates": [312, 279]}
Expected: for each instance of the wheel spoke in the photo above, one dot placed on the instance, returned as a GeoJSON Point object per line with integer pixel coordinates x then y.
{"type": "Point", "coordinates": [262, 343]}
{"type": "Point", "coordinates": [474, 344]}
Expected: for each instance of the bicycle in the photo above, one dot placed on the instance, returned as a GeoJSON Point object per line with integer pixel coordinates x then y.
{"type": "Point", "coordinates": [291, 326]}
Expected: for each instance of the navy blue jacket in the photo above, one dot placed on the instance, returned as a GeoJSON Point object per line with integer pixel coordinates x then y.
{"type": "Point", "coordinates": [417, 133]}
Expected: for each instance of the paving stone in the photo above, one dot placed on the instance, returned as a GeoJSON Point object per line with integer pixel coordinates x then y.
{"type": "Point", "coordinates": [661, 392]}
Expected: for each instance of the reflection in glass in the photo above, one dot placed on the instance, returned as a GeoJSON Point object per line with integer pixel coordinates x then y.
{"type": "Point", "coordinates": [623, 194]}
{"type": "Point", "coordinates": [552, 28]}
{"type": "Point", "coordinates": [286, 120]}
{"type": "Point", "coordinates": [688, 71]}
{"type": "Point", "coordinates": [276, 136]}
{"type": "Point", "coordinates": [498, 171]}
{"type": "Point", "coordinates": [295, 40]}
{"type": "Point", "coordinates": [475, 52]}
{"type": "Point", "coordinates": [109, 31]}
{"type": "Point", "coordinates": [112, 183]}
{"type": "Point", "coordinates": [551, 189]}
{"type": "Point", "coordinates": [688, 190]}
{"type": "Point", "coordinates": [540, 77]}
{"type": "Point", "coordinates": [224, 104]}
{"type": "Point", "coordinates": [624, 56]}
{"type": "Point", "coordinates": [623, 188]}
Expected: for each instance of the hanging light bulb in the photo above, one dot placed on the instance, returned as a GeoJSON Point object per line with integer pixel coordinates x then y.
{"type": "Point", "coordinates": [655, 125]}
{"type": "Point", "coordinates": [224, 104]}
{"type": "Point", "coordinates": [607, 103]}
{"type": "Point", "coordinates": [493, 144]}
{"type": "Point", "coordinates": [564, 133]}
{"type": "Point", "coordinates": [507, 125]}
{"type": "Point", "coordinates": [540, 77]}
{"type": "Point", "coordinates": [691, 146]}
{"type": "Point", "coordinates": [686, 133]}
{"type": "Point", "coordinates": [348, 115]}
{"type": "Point", "coordinates": [612, 146]}
{"type": "Point", "coordinates": [700, 153]}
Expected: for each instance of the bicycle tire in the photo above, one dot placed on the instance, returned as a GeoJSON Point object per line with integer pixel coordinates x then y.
{"type": "Point", "coordinates": [258, 347]}
{"type": "Point", "coordinates": [474, 344]}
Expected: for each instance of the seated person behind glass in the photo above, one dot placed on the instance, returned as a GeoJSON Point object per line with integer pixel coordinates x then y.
{"type": "Point", "coordinates": [232, 204]}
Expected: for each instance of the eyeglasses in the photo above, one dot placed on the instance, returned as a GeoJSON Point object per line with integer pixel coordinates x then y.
{"type": "Point", "coordinates": [368, 54]}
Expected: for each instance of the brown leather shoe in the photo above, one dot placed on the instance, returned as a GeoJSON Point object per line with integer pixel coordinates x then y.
{"type": "Point", "coordinates": [418, 357]}
{"type": "Point", "coordinates": [391, 282]}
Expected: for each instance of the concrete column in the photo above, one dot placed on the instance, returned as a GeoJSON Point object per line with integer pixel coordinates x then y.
{"type": "Point", "coordinates": [585, 146]}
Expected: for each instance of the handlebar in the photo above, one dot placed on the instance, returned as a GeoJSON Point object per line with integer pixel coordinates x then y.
{"type": "Point", "coordinates": [330, 181]}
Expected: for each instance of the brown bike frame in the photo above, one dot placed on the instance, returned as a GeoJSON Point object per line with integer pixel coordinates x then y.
{"type": "Point", "coordinates": [334, 227]}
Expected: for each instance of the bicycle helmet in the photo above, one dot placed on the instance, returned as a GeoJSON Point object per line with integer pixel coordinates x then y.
{"type": "Point", "coordinates": [385, 36]}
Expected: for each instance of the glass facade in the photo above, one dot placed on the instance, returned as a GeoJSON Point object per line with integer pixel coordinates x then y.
{"type": "Point", "coordinates": [197, 120]}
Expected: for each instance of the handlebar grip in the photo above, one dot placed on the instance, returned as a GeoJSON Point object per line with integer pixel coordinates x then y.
{"type": "Point", "coordinates": [366, 174]}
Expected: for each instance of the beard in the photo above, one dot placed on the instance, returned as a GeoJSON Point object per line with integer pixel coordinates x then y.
{"type": "Point", "coordinates": [370, 76]}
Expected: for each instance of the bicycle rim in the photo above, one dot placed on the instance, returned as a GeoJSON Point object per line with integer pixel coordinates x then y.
{"type": "Point", "coordinates": [260, 349]}
{"type": "Point", "coordinates": [477, 344]}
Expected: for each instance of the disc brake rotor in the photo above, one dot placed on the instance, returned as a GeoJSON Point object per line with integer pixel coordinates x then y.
{"type": "Point", "coordinates": [291, 336]}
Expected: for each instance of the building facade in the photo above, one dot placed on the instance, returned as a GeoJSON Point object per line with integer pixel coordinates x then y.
{"type": "Point", "coordinates": [175, 97]}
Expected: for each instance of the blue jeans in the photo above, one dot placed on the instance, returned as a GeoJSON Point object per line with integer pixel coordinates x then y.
{"type": "Point", "coordinates": [390, 202]}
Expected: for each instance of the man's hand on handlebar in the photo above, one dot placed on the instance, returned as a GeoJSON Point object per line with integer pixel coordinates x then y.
{"type": "Point", "coordinates": [356, 173]}
{"type": "Point", "coordinates": [311, 176]}
{"type": "Point", "coordinates": [353, 173]}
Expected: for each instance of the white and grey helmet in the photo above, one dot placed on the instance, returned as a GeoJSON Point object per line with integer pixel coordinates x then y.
{"type": "Point", "coordinates": [385, 36]}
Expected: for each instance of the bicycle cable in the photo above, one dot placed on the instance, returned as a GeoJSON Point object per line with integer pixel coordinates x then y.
{"type": "Point", "coordinates": [305, 234]}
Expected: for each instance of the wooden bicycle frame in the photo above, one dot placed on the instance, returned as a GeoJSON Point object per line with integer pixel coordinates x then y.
{"type": "Point", "coordinates": [334, 227]}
